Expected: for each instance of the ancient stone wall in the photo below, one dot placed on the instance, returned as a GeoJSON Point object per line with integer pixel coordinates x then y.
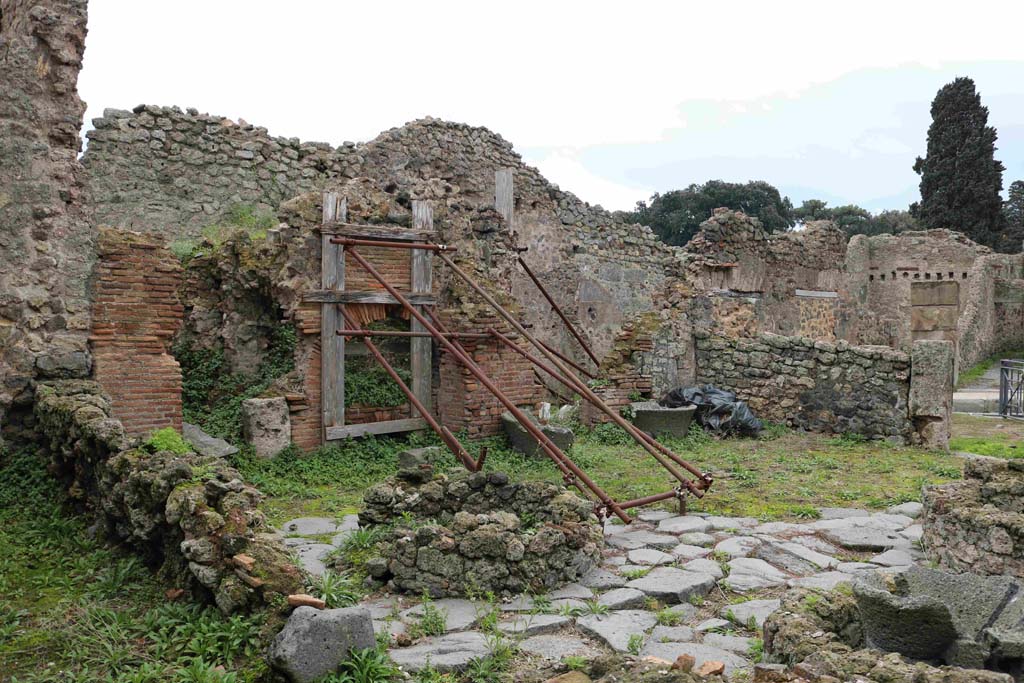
{"type": "Point", "coordinates": [164, 170]}
{"type": "Point", "coordinates": [815, 385]}
{"type": "Point", "coordinates": [46, 246]}
{"type": "Point", "coordinates": [977, 525]}
{"type": "Point", "coordinates": [135, 315]}
{"type": "Point", "coordinates": [190, 516]}
{"type": "Point", "coordinates": [934, 284]}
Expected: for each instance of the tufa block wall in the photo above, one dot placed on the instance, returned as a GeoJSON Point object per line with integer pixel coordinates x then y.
{"type": "Point", "coordinates": [135, 314]}
{"type": "Point", "coordinates": [814, 385]}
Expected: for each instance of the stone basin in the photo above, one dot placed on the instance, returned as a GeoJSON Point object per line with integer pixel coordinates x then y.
{"type": "Point", "coordinates": [524, 442]}
{"type": "Point", "coordinates": [655, 419]}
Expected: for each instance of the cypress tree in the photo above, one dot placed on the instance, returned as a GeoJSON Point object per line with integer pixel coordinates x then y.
{"type": "Point", "coordinates": [960, 177]}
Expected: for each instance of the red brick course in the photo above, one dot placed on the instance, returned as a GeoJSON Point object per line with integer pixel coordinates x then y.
{"type": "Point", "coordinates": [135, 314]}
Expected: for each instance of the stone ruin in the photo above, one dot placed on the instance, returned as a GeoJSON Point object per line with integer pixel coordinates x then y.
{"type": "Point", "coordinates": [463, 533]}
{"type": "Point", "coordinates": [977, 524]}
{"type": "Point", "coordinates": [936, 627]}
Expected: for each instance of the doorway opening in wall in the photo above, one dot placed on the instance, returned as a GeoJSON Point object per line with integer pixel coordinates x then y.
{"type": "Point", "coordinates": [371, 394]}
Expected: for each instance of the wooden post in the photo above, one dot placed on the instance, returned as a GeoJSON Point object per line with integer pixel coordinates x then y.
{"type": "Point", "coordinates": [421, 348]}
{"type": "Point", "coordinates": [332, 346]}
{"type": "Point", "coordinates": [504, 202]}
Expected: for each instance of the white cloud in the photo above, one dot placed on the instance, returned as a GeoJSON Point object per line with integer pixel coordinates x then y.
{"type": "Point", "coordinates": [564, 169]}
{"type": "Point", "coordinates": [546, 75]}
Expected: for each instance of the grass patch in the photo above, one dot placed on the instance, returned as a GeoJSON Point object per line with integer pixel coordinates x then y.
{"type": "Point", "coordinates": [999, 447]}
{"type": "Point", "coordinates": [975, 373]}
{"type": "Point", "coordinates": [74, 611]}
{"type": "Point", "coordinates": [239, 218]}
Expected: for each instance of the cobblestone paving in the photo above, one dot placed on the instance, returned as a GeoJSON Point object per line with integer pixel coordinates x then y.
{"type": "Point", "coordinates": [669, 585]}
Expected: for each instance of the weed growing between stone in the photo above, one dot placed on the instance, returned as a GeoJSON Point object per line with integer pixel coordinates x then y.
{"type": "Point", "coordinates": [75, 611]}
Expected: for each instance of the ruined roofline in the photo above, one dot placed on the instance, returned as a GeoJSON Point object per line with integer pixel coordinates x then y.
{"type": "Point", "coordinates": [477, 145]}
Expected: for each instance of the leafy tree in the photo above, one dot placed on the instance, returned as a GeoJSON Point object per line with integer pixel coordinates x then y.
{"type": "Point", "coordinates": [1013, 215]}
{"type": "Point", "coordinates": [676, 215]}
{"type": "Point", "coordinates": [855, 220]}
{"type": "Point", "coordinates": [960, 177]}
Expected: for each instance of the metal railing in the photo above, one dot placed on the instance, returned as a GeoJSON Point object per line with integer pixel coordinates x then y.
{"type": "Point", "coordinates": [1011, 388]}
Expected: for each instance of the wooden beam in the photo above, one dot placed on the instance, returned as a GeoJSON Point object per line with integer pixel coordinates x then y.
{"type": "Point", "coordinates": [387, 232]}
{"type": "Point", "coordinates": [326, 296]}
{"type": "Point", "coordinates": [387, 427]}
{"type": "Point", "coordinates": [332, 345]}
{"type": "Point", "coordinates": [504, 201]}
{"type": "Point", "coordinates": [421, 349]}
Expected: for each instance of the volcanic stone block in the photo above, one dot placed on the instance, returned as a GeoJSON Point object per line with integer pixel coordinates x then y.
{"type": "Point", "coordinates": [524, 442]}
{"type": "Point", "coordinates": [654, 419]}
{"type": "Point", "coordinates": [266, 426]}
{"type": "Point", "coordinates": [313, 643]}
{"type": "Point", "coordinates": [931, 390]}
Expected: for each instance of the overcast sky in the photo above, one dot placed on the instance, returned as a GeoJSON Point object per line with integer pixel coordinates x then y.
{"type": "Point", "coordinates": [612, 101]}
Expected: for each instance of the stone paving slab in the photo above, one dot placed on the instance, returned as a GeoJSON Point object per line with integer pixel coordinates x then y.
{"type": "Point", "coordinates": [912, 509]}
{"type": "Point", "coordinates": [601, 579]}
{"type": "Point", "coordinates": [865, 538]}
{"type": "Point", "coordinates": [649, 556]}
{"type": "Point", "coordinates": [673, 634]}
{"type": "Point", "coordinates": [710, 624]}
{"type": "Point", "coordinates": [737, 644]}
{"type": "Point", "coordinates": [572, 590]}
{"type": "Point", "coordinates": [311, 557]}
{"type": "Point", "coordinates": [534, 624]}
{"type": "Point", "coordinates": [700, 652]}
{"type": "Point", "coordinates": [557, 647]}
{"type": "Point", "coordinates": [698, 538]}
{"type": "Point", "coordinates": [622, 598]}
{"type": "Point", "coordinates": [716, 523]}
{"type": "Point", "coordinates": [309, 526]}
{"type": "Point", "coordinates": [615, 628]}
{"type": "Point", "coordinates": [824, 581]}
{"type": "Point", "coordinates": [741, 613]}
{"type": "Point", "coordinates": [738, 546]}
{"type": "Point", "coordinates": [749, 574]}
{"type": "Point", "coordinates": [672, 585]}
{"type": "Point", "coordinates": [684, 551]}
{"type": "Point", "coordinates": [896, 557]}
{"type": "Point", "coordinates": [459, 614]}
{"type": "Point", "coordinates": [705, 566]}
{"type": "Point", "coordinates": [842, 513]}
{"type": "Point", "coordinates": [451, 652]}
{"type": "Point", "coordinates": [684, 524]}
{"type": "Point", "coordinates": [649, 539]}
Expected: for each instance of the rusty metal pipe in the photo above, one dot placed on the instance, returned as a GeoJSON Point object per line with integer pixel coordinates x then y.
{"type": "Point", "coordinates": [558, 311]}
{"type": "Point", "coordinates": [403, 333]}
{"type": "Point", "coordinates": [576, 385]}
{"type": "Point", "coordinates": [587, 392]}
{"type": "Point", "coordinates": [566, 359]}
{"type": "Point", "coordinates": [452, 443]}
{"type": "Point", "coordinates": [546, 444]}
{"type": "Point", "coordinates": [352, 242]}
{"type": "Point", "coordinates": [647, 500]}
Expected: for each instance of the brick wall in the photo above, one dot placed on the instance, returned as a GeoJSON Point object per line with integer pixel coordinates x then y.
{"type": "Point", "coordinates": [135, 313]}
{"type": "Point", "coordinates": [394, 264]}
{"type": "Point", "coordinates": [463, 403]}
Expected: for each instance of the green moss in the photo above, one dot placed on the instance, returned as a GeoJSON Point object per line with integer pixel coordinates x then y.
{"type": "Point", "coordinates": [168, 439]}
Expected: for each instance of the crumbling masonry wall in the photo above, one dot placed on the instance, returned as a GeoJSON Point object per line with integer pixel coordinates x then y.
{"type": "Point", "coordinates": [135, 314]}
{"type": "Point", "coordinates": [191, 517]}
{"type": "Point", "coordinates": [46, 246]}
{"type": "Point", "coordinates": [814, 385]}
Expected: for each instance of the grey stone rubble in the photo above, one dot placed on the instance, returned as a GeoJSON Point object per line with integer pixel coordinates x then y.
{"type": "Point", "coordinates": [650, 560]}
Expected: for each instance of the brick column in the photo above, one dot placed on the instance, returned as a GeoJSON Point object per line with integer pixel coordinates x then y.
{"type": "Point", "coordinates": [135, 314]}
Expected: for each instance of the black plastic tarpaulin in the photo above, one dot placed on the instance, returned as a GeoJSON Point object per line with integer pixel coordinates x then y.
{"type": "Point", "coordinates": [717, 409]}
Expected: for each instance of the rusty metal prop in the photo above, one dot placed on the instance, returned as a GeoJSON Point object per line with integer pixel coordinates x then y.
{"type": "Point", "coordinates": [449, 439]}
{"type": "Point", "coordinates": [558, 311]}
{"type": "Point", "coordinates": [352, 242]}
{"type": "Point", "coordinates": [644, 439]}
{"type": "Point", "coordinates": [403, 333]}
{"type": "Point", "coordinates": [582, 370]}
{"type": "Point", "coordinates": [657, 450]}
{"type": "Point", "coordinates": [572, 473]}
